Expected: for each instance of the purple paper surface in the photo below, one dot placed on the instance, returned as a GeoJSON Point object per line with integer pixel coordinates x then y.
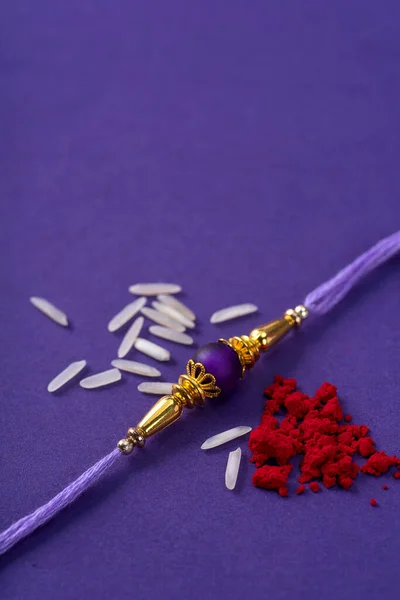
{"type": "Point", "coordinates": [246, 150]}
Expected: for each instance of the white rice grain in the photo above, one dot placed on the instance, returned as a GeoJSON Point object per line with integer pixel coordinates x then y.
{"type": "Point", "coordinates": [101, 379]}
{"type": "Point", "coordinates": [162, 319]}
{"type": "Point", "coordinates": [178, 305]}
{"type": "Point", "coordinates": [155, 387]}
{"type": "Point", "coordinates": [225, 436]}
{"type": "Point", "coordinates": [153, 350]}
{"type": "Point", "coordinates": [130, 337]}
{"type": "Point", "coordinates": [126, 314]}
{"type": "Point", "coordinates": [232, 468]}
{"type": "Point", "coordinates": [131, 366]}
{"type": "Point", "coordinates": [66, 375]}
{"type": "Point", "coordinates": [170, 311]}
{"type": "Point", "coordinates": [153, 289]}
{"type": "Point", "coordinates": [171, 335]}
{"type": "Point", "coordinates": [233, 312]}
{"type": "Point", "coordinates": [51, 311]}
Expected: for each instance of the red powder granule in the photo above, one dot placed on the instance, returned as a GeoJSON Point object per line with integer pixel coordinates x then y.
{"type": "Point", "coordinates": [332, 410]}
{"type": "Point", "coordinates": [314, 429]}
{"type": "Point", "coordinates": [329, 481]}
{"type": "Point", "coordinates": [396, 475]}
{"type": "Point", "coordinates": [314, 486]}
{"type": "Point", "coordinates": [272, 477]}
{"type": "Point", "coordinates": [325, 392]}
{"type": "Point", "coordinates": [385, 487]}
{"type": "Point", "coordinates": [378, 463]}
{"type": "Point", "coordinates": [373, 502]}
{"type": "Point", "coordinates": [366, 447]}
{"type": "Point", "coordinates": [301, 489]}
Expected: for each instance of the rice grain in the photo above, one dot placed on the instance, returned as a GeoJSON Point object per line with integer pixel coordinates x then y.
{"type": "Point", "coordinates": [233, 312]}
{"type": "Point", "coordinates": [66, 375]}
{"type": "Point", "coordinates": [51, 311]}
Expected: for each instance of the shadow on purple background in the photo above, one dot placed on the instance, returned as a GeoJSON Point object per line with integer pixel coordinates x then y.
{"type": "Point", "coordinates": [246, 150]}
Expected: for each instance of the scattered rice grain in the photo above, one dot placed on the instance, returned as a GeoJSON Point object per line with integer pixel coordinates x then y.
{"type": "Point", "coordinates": [101, 379]}
{"type": "Point", "coordinates": [153, 350]}
{"type": "Point", "coordinates": [171, 335]}
{"type": "Point", "coordinates": [130, 337]}
{"type": "Point", "coordinates": [232, 468]}
{"type": "Point", "coordinates": [138, 368]}
{"type": "Point", "coordinates": [233, 312]}
{"type": "Point", "coordinates": [170, 311]}
{"type": "Point", "coordinates": [51, 311]}
{"type": "Point", "coordinates": [225, 436]}
{"type": "Point", "coordinates": [153, 289]}
{"type": "Point", "coordinates": [162, 319]}
{"type": "Point", "coordinates": [155, 387]}
{"type": "Point", "coordinates": [66, 375]}
{"type": "Point", "coordinates": [178, 305]}
{"type": "Point", "coordinates": [126, 314]}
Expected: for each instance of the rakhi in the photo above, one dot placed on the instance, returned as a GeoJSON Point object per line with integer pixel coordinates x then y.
{"type": "Point", "coordinates": [215, 370]}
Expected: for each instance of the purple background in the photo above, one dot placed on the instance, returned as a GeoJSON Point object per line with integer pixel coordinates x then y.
{"type": "Point", "coordinates": [246, 150]}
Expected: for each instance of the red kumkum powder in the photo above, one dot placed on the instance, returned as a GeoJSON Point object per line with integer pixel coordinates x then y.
{"type": "Point", "coordinates": [313, 428]}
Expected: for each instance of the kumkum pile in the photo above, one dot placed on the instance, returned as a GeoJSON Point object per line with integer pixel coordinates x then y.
{"type": "Point", "coordinates": [317, 429]}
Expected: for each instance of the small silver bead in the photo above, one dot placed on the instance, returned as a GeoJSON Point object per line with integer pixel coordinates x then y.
{"type": "Point", "coordinates": [125, 446]}
{"type": "Point", "coordinates": [301, 311]}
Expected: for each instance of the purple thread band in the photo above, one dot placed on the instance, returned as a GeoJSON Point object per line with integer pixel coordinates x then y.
{"type": "Point", "coordinates": [319, 302]}
{"type": "Point", "coordinates": [326, 296]}
{"type": "Point", "coordinates": [40, 516]}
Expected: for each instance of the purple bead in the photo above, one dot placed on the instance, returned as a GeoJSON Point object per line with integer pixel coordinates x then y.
{"type": "Point", "coordinates": [222, 362]}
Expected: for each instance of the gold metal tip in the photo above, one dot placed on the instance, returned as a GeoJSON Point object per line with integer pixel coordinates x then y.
{"type": "Point", "coordinates": [164, 412]}
{"type": "Point", "coordinates": [268, 335]}
{"type": "Point", "coordinates": [262, 338]}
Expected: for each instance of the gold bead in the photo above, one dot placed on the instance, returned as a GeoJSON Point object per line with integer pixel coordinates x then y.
{"type": "Point", "coordinates": [140, 441]}
{"type": "Point", "coordinates": [125, 446]}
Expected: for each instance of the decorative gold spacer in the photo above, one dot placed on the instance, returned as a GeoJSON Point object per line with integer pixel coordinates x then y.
{"type": "Point", "coordinates": [246, 349]}
{"type": "Point", "coordinates": [205, 381]}
{"type": "Point", "coordinates": [189, 392]}
{"type": "Point", "coordinates": [196, 386]}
